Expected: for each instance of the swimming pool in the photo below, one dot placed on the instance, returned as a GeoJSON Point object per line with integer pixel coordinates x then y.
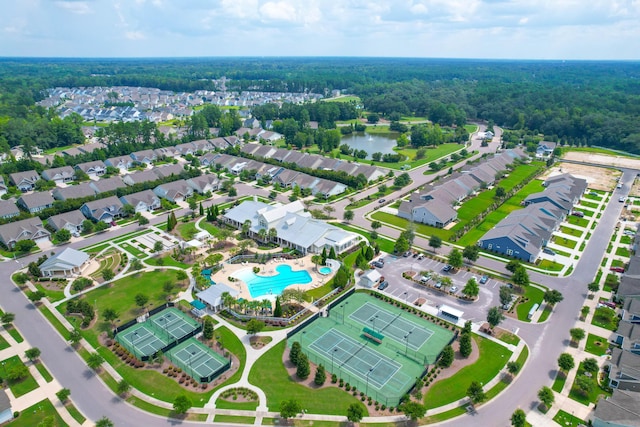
{"type": "Point", "coordinates": [325, 270]}
{"type": "Point", "coordinates": [273, 285]}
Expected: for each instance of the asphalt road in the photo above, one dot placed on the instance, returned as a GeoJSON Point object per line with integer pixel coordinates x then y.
{"type": "Point", "coordinates": [546, 341]}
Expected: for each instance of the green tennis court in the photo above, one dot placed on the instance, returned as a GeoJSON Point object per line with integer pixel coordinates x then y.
{"type": "Point", "coordinates": [173, 323]}
{"type": "Point", "coordinates": [376, 347]}
{"type": "Point", "coordinates": [197, 360]}
{"type": "Point", "coordinates": [141, 341]}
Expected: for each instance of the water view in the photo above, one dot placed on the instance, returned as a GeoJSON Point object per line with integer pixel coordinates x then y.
{"type": "Point", "coordinates": [371, 143]}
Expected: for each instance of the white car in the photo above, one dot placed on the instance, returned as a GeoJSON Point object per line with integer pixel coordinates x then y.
{"type": "Point", "coordinates": [453, 289]}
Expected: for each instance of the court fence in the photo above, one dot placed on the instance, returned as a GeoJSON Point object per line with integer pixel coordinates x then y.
{"type": "Point", "coordinates": [192, 373]}
{"type": "Point", "coordinates": [356, 381]}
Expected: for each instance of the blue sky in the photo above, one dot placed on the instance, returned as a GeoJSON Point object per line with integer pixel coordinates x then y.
{"type": "Point", "coordinates": [532, 29]}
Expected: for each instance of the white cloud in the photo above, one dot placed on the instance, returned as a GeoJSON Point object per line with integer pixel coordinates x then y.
{"type": "Point", "coordinates": [278, 11]}
{"type": "Point", "coordinates": [77, 7]}
{"type": "Point", "coordinates": [134, 35]}
{"type": "Point", "coordinates": [419, 9]}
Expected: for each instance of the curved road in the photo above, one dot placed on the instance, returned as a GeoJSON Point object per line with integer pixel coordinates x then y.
{"type": "Point", "coordinates": [546, 341]}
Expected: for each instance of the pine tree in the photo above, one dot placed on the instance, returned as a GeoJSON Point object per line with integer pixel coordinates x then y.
{"type": "Point", "coordinates": [294, 353]}
{"type": "Point", "coordinates": [332, 253]}
{"type": "Point", "coordinates": [201, 209]}
{"type": "Point", "coordinates": [465, 345]}
{"type": "Point", "coordinates": [324, 256]}
{"type": "Point", "coordinates": [303, 366]}
{"type": "Point", "coordinates": [277, 311]}
{"type": "Point", "coordinates": [321, 375]}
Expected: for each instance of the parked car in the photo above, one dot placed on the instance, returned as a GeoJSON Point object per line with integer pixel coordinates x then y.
{"type": "Point", "coordinates": [420, 257]}
{"type": "Point", "coordinates": [622, 199]}
{"type": "Point", "coordinates": [382, 200]}
{"type": "Point", "coordinates": [377, 264]}
{"type": "Point", "coordinates": [447, 268]}
{"type": "Point", "coordinates": [617, 269]}
{"type": "Point", "coordinates": [415, 254]}
{"type": "Point", "coordinates": [453, 289]}
{"type": "Point", "coordinates": [579, 214]}
{"type": "Point", "coordinates": [548, 251]}
{"type": "Point", "coordinates": [438, 285]}
{"type": "Point", "coordinates": [484, 279]}
{"type": "Point", "coordinates": [424, 279]}
{"type": "Point", "coordinates": [406, 254]}
{"type": "Point", "coordinates": [383, 285]}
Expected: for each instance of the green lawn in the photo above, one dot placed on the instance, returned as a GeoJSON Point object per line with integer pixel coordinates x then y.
{"type": "Point", "coordinates": [345, 98]}
{"type": "Point", "coordinates": [20, 387]}
{"type": "Point", "coordinates": [558, 383]}
{"type": "Point", "coordinates": [167, 260]}
{"type": "Point", "coordinates": [219, 418]}
{"type": "Point", "coordinates": [52, 295]}
{"type": "Point", "coordinates": [564, 242]}
{"type": "Point", "coordinates": [269, 374]}
{"type": "Point", "coordinates": [55, 322]}
{"type": "Point", "coordinates": [241, 406]}
{"type": "Point", "coordinates": [592, 196]}
{"type": "Point", "coordinates": [625, 239]}
{"type": "Point", "coordinates": [75, 414]}
{"type": "Point", "coordinates": [545, 313]}
{"type": "Point", "coordinates": [130, 236]}
{"type": "Point", "coordinates": [591, 397]}
{"type": "Point", "coordinates": [599, 151]}
{"type": "Point", "coordinates": [14, 333]}
{"type": "Point", "coordinates": [571, 231]}
{"type": "Point", "coordinates": [187, 230]}
{"type": "Point", "coordinates": [492, 359]}
{"type": "Point", "coordinates": [617, 263]}
{"type": "Point", "coordinates": [33, 415]}
{"type": "Point", "coordinates": [3, 343]}
{"type": "Point", "coordinates": [385, 245]}
{"type": "Point", "coordinates": [576, 220]}
{"type": "Point", "coordinates": [602, 318]}
{"type": "Point", "coordinates": [623, 252]}
{"type": "Point", "coordinates": [534, 296]}
{"type": "Point", "coordinates": [587, 213]}
{"type": "Point", "coordinates": [567, 420]}
{"type": "Point", "coordinates": [96, 248]}
{"type": "Point", "coordinates": [133, 250]}
{"type": "Point", "coordinates": [212, 229]}
{"type": "Point", "coordinates": [420, 228]}
{"type": "Point", "coordinates": [596, 345]}
{"type": "Point", "coordinates": [43, 371]}
{"type": "Point", "coordinates": [549, 265]}
{"type": "Point", "coordinates": [589, 204]}
{"type": "Point", "coordinates": [442, 416]}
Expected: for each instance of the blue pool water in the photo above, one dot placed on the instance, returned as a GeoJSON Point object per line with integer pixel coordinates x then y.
{"type": "Point", "coordinates": [325, 270]}
{"type": "Point", "coordinates": [273, 285]}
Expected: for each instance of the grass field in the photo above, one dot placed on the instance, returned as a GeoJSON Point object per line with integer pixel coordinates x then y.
{"type": "Point", "coordinates": [75, 414]}
{"type": "Point", "coordinates": [623, 252]}
{"type": "Point", "coordinates": [591, 205]}
{"type": "Point", "coordinates": [219, 418]}
{"type": "Point", "coordinates": [19, 387]}
{"type": "Point", "coordinates": [187, 230]}
{"type": "Point", "coordinates": [492, 359]}
{"type": "Point", "coordinates": [384, 244]}
{"type": "Point", "coordinates": [345, 98]}
{"type": "Point", "coordinates": [14, 333]}
{"type": "Point", "coordinates": [95, 248]}
{"type": "Point", "coordinates": [43, 371]}
{"type": "Point", "coordinates": [559, 382]}
{"type": "Point", "coordinates": [567, 420]}
{"type": "Point", "coordinates": [599, 151]}
{"type": "Point", "coordinates": [35, 414]}
{"type": "Point", "coordinates": [549, 265]}
{"type": "Point", "coordinates": [167, 260]}
{"type": "Point", "coordinates": [602, 317]}
{"type": "Point", "coordinates": [591, 397]}
{"type": "Point", "coordinates": [133, 250]}
{"type": "Point", "coordinates": [269, 374]}
{"type": "Point", "coordinates": [564, 242]}
{"type": "Point", "coordinates": [576, 220]}
{"type": "Point", "coordinates": [596, 345]}
{"type": "Point", "coordinates": [571, 231]}
{"type": "Point", "coordinates": [3, 343]}
{"type": "Point", "coordinates": [420, 228]}
{"type": "Point", "coordinates": [535, 296]}
{"type": "Point", "coordinates": [241, 406]}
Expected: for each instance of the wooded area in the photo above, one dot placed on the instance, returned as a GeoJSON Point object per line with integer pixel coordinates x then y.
{"type": "Point", "coordinates": [576, 102]}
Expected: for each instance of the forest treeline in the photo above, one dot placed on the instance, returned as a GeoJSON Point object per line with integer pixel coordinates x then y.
{"type": "Point", "coordinates": [575, 102]}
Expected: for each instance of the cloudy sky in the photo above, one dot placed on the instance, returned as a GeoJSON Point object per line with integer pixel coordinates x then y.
{"type": "Point", "coordinates": [521, 29]}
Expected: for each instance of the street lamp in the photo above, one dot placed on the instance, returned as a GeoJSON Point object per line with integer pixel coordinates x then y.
{"type": "Point", "coordinates": [373, 320]}
{"type": "Point", "coordinates": [366, 391]}
{"type": "Point", "coordinates": [333, 353]}
{"type": "Point", "coordinates": [133, 343]}
{"type": "Point", "coordinates": [302, 338]}
{"type": "Point", "coordinates": [343, 311]}
{"type": "Point", "coordinates": [406, 295]}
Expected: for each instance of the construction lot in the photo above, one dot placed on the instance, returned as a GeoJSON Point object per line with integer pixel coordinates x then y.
{"type": "Point", "coordinates": [598, 178]}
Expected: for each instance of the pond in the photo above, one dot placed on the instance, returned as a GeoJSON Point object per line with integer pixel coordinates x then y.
{"type": "Point", "coordinates": [371, 143]}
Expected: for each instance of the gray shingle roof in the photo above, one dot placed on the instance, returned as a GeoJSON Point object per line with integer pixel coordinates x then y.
{"type": "Point", "coordinates": [621, 408]}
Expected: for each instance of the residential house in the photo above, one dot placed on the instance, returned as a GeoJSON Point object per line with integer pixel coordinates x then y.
{"type": "Point", "coordinates": [624, 370]}
{"type": "Point", "coordinates": [106, 210]}
{"type": "Point", "coordinates": [71, 220]}
{"type": "Point", "coordinates": [204, 183]}
{"type": "Point", "coordinates": [186, 149]}
{"type": "Point", "coordinates": [25, 181]}
{"type": "Point", "coordinates": [59, 175]}
{"type": "Point", "coordinates": [26, 229]}
{"type": "Point", "coordinates": [202, 145]}
{"type": "Point", "coordinates": [8, 209]}
{"type": "Point", "coordinates": [220, 143]}
{"type": "Point", "coordinates": [107, 185]}
{"type": "Point", "coordinates": [74, 192]}
{"type": "Point", "coordinates": [621, 409]}
{"type": "Point", "coordinates": [93, 169]}
{"type": "Point", "coordinates": [250, 148]}
{"type": "Point", "coordinates": [627, 336]}
{"type": "Point", "coordinates": [269, 136]}
{"type": "Point", "coordinates": [207, 159]}
{"type": "Point", "coordinates": [6, 414]}
{"type": "Point", "coordinates": [91, 147]}
{"type": "Point", "coordinates": [142, 201]}
{"type": "Point", "coordinates": [545, 149]}
{"type": "Point", "coordinates": [176, 191]}
{"type": "Point", "coordinates": [35, 202]}
{"type": "Point", "coordinates": [124, 163]}
{"type": "Point", "coordinates": [326, 188]}
{"type": "Point", "coordinates": [295, 228]}
{"type": "Point", "coordinates": [3, 186]}
{"type": "Point", "coordinates": [285, 178]}
{"type": "Point", "coordinates": [168, 170]}
{"type": "Point", "coordinates": [370, 278]}
{"type": "Point", "coordinates": [69, 262]}
{"type": "Point", "coordinates": [251, 123]}
{"type": "Point", "coordinates": [433, 212]}
{"type": "Point", "coordinates": [144, 156]}
{"type": "Point", "coordinates": [168, 152]}
{"type": "Point", "coordinates": [631, 310]}
{"type": "Point", "coordinates": [140, 177]}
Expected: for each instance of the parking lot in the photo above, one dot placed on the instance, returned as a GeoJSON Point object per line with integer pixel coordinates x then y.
{"type": "Point", "coordinates": [408, 291]}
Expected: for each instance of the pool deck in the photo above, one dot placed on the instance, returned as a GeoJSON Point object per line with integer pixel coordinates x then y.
{"type": "Point", "coordinates": [269, 269]}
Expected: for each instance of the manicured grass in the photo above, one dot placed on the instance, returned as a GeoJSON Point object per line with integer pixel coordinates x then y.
{"type": "Point", "coordinates": [33, 415]}
{"type": "Point", "coordinates": [623, 252]}
{"type": "Point", "coordinates": [20, 387]}
{"type": "Point", "coordinates": [14, 333]}
{"type": "Point", "coordinates": [346, 98]}
{"type": "Point", "coordinates": [549, 265]}
{"type": "Point", "coordinates": [565, 419]}
{"type": "Point", "coordinates": [269, 374]}
{"type": "Point", "coordinates": [52, 295]}
{"type": "Point", "coordinates": [385, 245]}
{"type": "Point", "coordinates": [558, 383]}
{"type": "Point", "coordinates": [591, 397]}
{"type": "Point", "coordinates": [534, 295]}
{"type": "Point", "coordinates": [575, 220]}
{"type": "Point", "coordinates": [524, 355]}
{"type": "Point", "coordinates": [96, 248]}
{"type": "Point", "coordinates": [617, 263]}
{"type": "Point", "coordinates": [130, 236]}
{"type": "Point", "coordinates": [596, 345]}
{"type": "Point", "coordinates": [587, 213]}
{"type": "Point", "coordinates": [55, 322]}
{"type": "Point", "coordinates": [3, 343]}
{"type": "Point", "coordinates": [592, 196]}
{"type": "Point", "coordinates": [589, 204]}
{"type": "Point", "coordinates": [230, 404]}
{"type": "Point", "coordinates": [43, 371]}
{"type": "Point", "coordinates": [625, 239]}
{"type": "Point", "coordinates": [492, 359]}
{"type": "Point", "coordinates": [600, 319]}
{"type": "Point", "coordinates": [149, 407]}
{"type": "Point", "coordinates": [599, 151]}
{"type": "Point", "coordinates": [563, 241]}
{"type": "Point", "coordinates": [571, 231]}
{"type": "Point", "coordinates": [545, 313]}
{"type": "Point", "coordinates": [212, 229]}
{"type": "Point", "coordinates": [75, 414]}
{"type": "Point", "coordinates": [167, 260]}
{"type": "Point", "coordinates": [442, 416]}
{"type": "Point", "coordinates": [133, 250]}
{"type": "Point", "coordinates": [510, 205]}
{"type": "Point", "coordinates": [219, 418]}
{"type": "Point", "coordinates": [509, 338]}
{"type": "Point", "coordinates": [187, 230]}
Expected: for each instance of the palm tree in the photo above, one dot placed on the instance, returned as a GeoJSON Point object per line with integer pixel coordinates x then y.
{"type": "Point", "coordinates": [272, 233]}
{"type": "Point", "coordinates": [262, 234]}
{"type": "Point", "coordinates": [246, 226]}
{"type": "Point", "coordinates": [228, 300]}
